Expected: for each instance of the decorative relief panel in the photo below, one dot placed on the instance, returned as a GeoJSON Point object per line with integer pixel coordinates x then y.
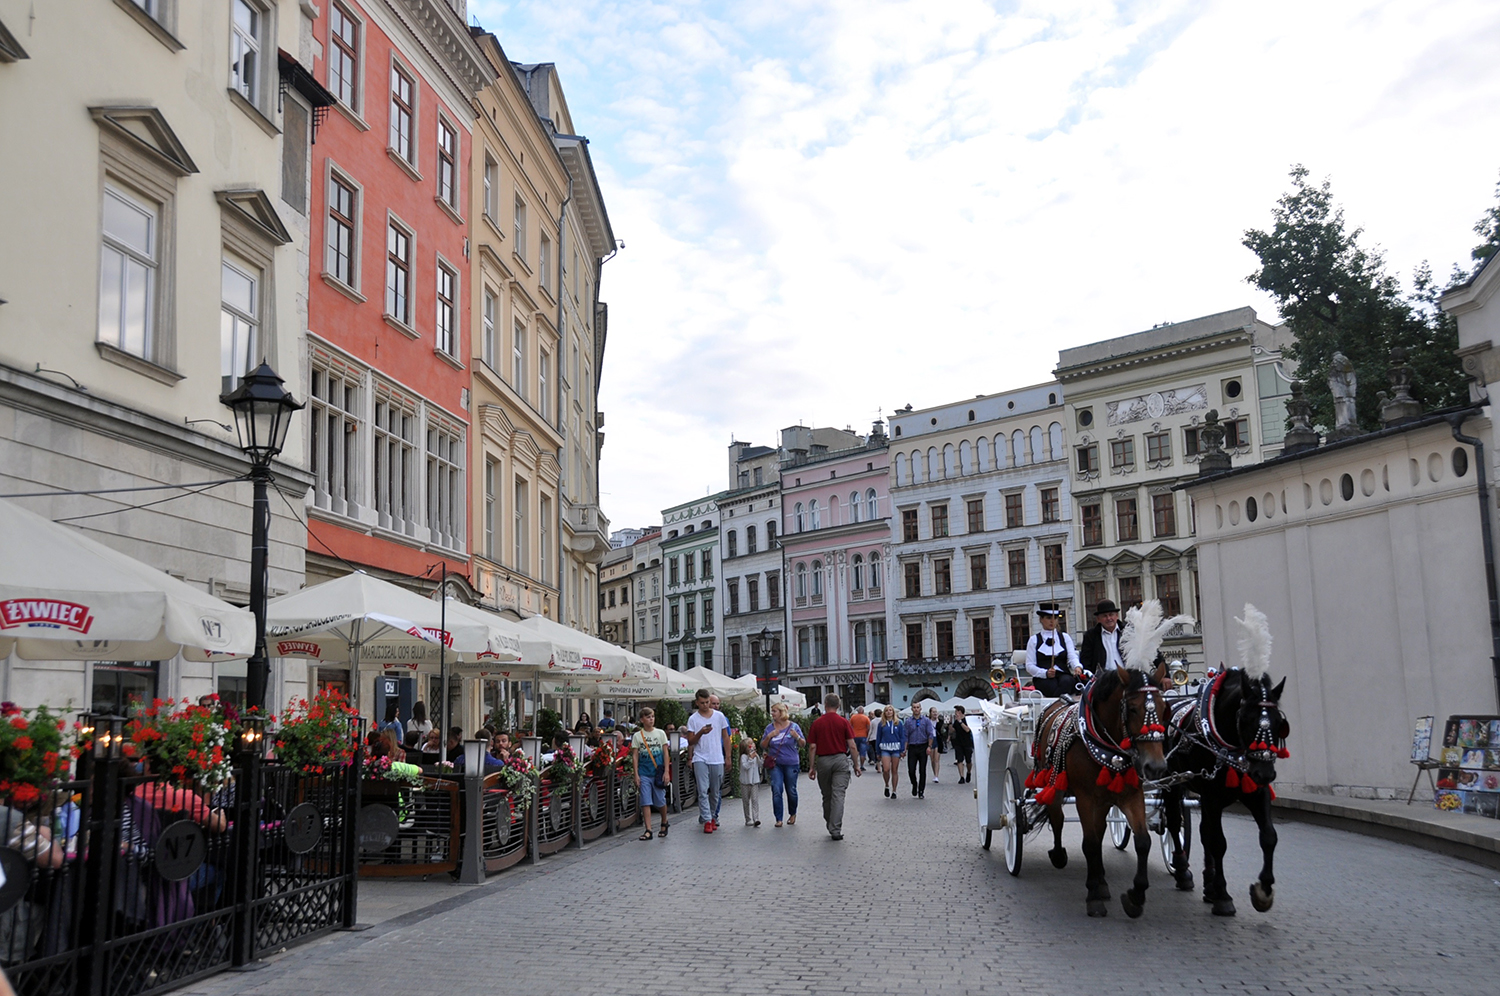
{"type": "Point", "coordinates": [1157, 404]}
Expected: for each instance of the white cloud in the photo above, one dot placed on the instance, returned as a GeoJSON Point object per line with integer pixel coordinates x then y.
{"type": "Point", "coordinates": [836, 208]}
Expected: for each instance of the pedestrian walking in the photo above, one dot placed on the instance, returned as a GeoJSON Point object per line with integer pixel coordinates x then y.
{"type": "Point", "coordinates": [652, 763]}
{"type": "Point", "coordinates": [832, 761]}
{"type": "Point", "coordinates": [890, 741]}
{"type": "Point", "coordinates": [779, 743]}
{"type": "Point", "coordinates": [963, 746]}
{"type": "Point", "coordinates": [939, 741]}
{"type": "Point", "coordinates": [920, 734]}
{"type": "Point", "coordinates": [861, 724]}
{"type": "Point", "coordinates": [750, 779]}
{"type": "Point", "coordinates": [708, 746]}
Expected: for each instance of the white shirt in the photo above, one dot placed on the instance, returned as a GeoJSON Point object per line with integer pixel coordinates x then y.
{"type": "Point", "coordinates": [709, 749]}
{"type": "Point", "coordinates": [1051, 643]}
{"type": "Point", "coordinates": [1112, 647]}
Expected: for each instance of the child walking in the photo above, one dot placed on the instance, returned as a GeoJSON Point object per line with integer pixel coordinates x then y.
{"type": "Point", "coordinates": [750, 779]}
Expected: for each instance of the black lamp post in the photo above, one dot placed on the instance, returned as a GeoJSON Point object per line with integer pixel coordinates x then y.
{"type": "Point", "coordinates": [263, 411]}
{"type": "Point", "coordinates": [767, 664]}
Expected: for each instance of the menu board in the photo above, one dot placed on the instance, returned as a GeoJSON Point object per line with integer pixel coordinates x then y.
{"type": "Point", "coordinates": [1469, 780]}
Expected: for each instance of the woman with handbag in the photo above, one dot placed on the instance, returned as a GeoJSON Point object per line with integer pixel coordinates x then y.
{"type": "Point", "coordinates": [653, 770]}
{"type": "Point", "coordinates": [780, 745]}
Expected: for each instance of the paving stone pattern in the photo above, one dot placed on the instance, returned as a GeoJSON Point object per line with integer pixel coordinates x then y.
{"type": "Point", "coordinates": [908, 903]}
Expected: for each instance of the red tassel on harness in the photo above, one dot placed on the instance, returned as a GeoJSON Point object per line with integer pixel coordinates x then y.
{"type": "Point", "coordinates": [1117, 784]}
{"type": "Point", "coordinates": [1103, 778]}
{"type": "Point", "coordinates": [1247, 784]}
{"type": "Point", "coordinates": [1046, 795]}
{"type": "Point", "coordinates": [1125, 744]}
{"type": "Point", "coordinates": [1131, 778]}
{"type": "Point", "coordinates": [1061, 784]}
{"type": "Point", "coordinates": [1283, 752]}
{"type": "Point", "coordinates": [1232, 778]}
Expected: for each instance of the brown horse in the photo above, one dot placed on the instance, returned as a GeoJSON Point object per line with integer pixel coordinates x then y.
{"type": "Point", "coordinates": [1101, 761]}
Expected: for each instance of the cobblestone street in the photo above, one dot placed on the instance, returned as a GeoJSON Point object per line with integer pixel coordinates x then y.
{"type": "Point", "coordinates": [907, 900]}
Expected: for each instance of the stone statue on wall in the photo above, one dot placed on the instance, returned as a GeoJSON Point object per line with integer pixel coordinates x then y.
{"type": "Point", "coordinates": [1343, 385]}
{"type": "Point", "coordinates": [1211, 456]}
{"type": "Point", "coordinates": [1300, 435]}
{"type": "Point", "coordinates": [1399, 406]}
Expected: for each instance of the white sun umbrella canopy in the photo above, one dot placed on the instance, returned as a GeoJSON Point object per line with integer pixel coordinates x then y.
{"type": "Point", "coordinates": [584, 656]}
{"type": "Point", "coordinates": [728, 689]}
{"type": "Point", "coordinates": [791, 698]}
{"type": "Point", "coordinates": [661, 683]}
{"type": "Point", "coordinates": [64, 596]}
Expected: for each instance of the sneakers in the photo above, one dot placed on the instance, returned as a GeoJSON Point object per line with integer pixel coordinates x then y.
{"type": "Point", "coordinates": [887, 791]}
{"type": "Point", "coordinates": [935, 780]}
{"type": "Point", "coordinates": [710, 827]}
{"type": "Point", "coordinates": [913, 790]}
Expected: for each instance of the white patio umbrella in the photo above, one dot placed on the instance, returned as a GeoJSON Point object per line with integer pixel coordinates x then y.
{"type": "Point", "coordinates": [662, 683]}
{"type": "Point", "coordinates": [64, 596]}
{"type": "Point", "coordinates": [584, 655]}
{"type": "Point", "coordinates": [791, 698]}
{"type": "Point", "coordinates": [728, 689]}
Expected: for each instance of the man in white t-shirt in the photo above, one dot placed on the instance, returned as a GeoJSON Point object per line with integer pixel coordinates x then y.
{"type": "Point", "coordinates": [708, 746]}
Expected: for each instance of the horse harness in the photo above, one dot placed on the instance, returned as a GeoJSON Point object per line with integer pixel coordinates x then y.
{"type": "Point", "coordinates": [1196, 723]}
{"type": "Point", "coordinates": [1075, 721]}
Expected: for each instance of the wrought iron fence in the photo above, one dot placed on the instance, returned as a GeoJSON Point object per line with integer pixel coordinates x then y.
{"type": "Point", "coordinates": [406, 831]}
{"type": "Point", "coordinates": [554, 804]}
{"type": "Point", "coordinates": [505, 831]}
{"type": "Point", "coordinates": [593, 813]}
{"type": "Point", "coordinates": [627, 800]}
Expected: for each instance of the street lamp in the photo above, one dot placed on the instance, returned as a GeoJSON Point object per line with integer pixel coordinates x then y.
{"type": "Point", "coordinates": [766, 661]}
{"type": "Point", "coordinates": [263, 410]}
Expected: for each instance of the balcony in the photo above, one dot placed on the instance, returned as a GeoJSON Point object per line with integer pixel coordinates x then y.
{"type": "Point", "coordinates": [585, 531]}
{"type": "Point", "coordinates": [912, 666]}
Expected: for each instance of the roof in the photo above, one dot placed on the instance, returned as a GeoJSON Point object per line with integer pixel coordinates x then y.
{"type": "Point", "coordinates": [1151, 340]}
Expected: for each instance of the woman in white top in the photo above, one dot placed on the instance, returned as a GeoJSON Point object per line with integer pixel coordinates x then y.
{"type": "Point", "coordinates": [1051, 659]}
{"type": "Point", "coordinates": [419, 720]}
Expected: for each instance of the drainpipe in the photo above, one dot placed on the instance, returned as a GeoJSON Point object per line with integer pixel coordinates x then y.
{"type": "Point", "coordinates": [562, 329]}
{"type": "Point", "coordinates": [1482, 471]}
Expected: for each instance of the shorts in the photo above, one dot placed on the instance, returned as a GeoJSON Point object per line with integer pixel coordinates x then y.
{"type": "Point", "coordinates": [963, 755]}
{"type": "Point", "coordinates": [890, 752]}
{"type": "Point", "coordinates": [652, 794]}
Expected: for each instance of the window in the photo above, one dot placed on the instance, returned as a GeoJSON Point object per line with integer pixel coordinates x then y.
{"type": "Point", "coordinates": [1169, 592]}
{"type": "Point", "coordinates": [708, 616]}
{"type": "Point", "coordinates": [395, 461]}
{"type": "Point", "coordinates": [445, 488]}
{"type": "Point", "coordinates": [1121, 453]}
{"type": "Point", "coordinates": [877, 639]}
{"type": "Point", "coordinates": [854, 506]}
{"type": "Point", "coordinates": [398, 274]}
{"type": "Point", "coordinates": [914, 641]}
{"type": "Point", "coordinates": [656, 585]}
{"type": "Point", "coordinates": [1159, 447]}
{"type": "Point", "coordinates": [239, 321]}
{"type": "Point", "coordinates": [749, 539]}
{"type": "Point", "coordinates": [1130, 593]}
{"type": "Point", "coordinates": [625, 594]}
{"type": "Point", "coordinates": [123, 688]}
{"type": "Point", "coordinates": [913, 576]}
{"type": "Point", "coordinates": [689, 568]}
{"type": "Point", "coordinates": [942, 577]}
{"type": "Point", "coordinates": [908, 525]}
{"type": "Point", "coordinates": [1052, 562]}
{"type": "Point", "coordinates": [804, 647]}
{"type": "Point", "coordinates": [874, 574]}
{"type": "Point", "coordinates": [673, 571]}
{"type": "Point", "coordinates": [870, 505]}
{"type": "Point", "coordinates": [244, 50]}
{"type": "Point", "coordinates": [519, 247]}
{"type": "Point", "coordinates": [491, 189]}
{"type": "Point", "coordinates": [518, 358]}
{"type": "Point", "coordinates": [1127, 521]}
{"type": "Point", "coordinates": [521, 515]}
{"type": "Point", "coordinates": [1088, 459]}
{"type": "Point", "coordinates": [343, 247]}
{"type": "Point", "coordinates": [979, 572]}
{"type": "Point", "coordinates": [1014, 516]}
{"type": "Point", "coordinates": [817, 579]}
{"type": "Point", "coordinates": [1016, 564]}
{"type": "Point", "coordinates": [447, 164]}
{"type": "Point", "coordinates": [1190, 441]}
{"type": "Point", "coordinates": [491, 505]}
{"type": "Point", "coordinates": [819, 645]}
{"type": "Point", "coordinates": [690, 616]}
{"type": "Point", "coordinates": [1020, 631]}
{"type": "Point", "coordinates": [490, 346]}
{"type": "Point", "coordinates": [815, 514]}
{"type": "Point", "coordinates": [1093, 524]}
{"type": "Point", "coordinates": [976, 515]}
{"type": "Point", "coordinates": [447, 294]}
{"type": "Point", "coordinates": [797, 517]}
{"type": "Point", "coordinates": [403, 115]}
{"type": "Point", "coordinates": [1164, 515]}
{"type": "Point", "coordinates": [543, 372]}
{"type": "Point", "coordinates": [673, 624]}
{"type": "Point", "coordinates": [708, 565]}
{"type": "Point", "coordinates": [334, 437]}
{"type": "Point", "coordinates": [752, 593]}
{"type": "Point", "coordinates": [940, 520]}
{"type": "Point", "coordinates": [942, 632]}
{"type": "Point", "coordinates": [1094, 592]}
{"type": "Point", "coordinates": [1051, 505]}
{"type": "Point", "coordinates": [733, 541]}
{"type": "Point", "coordinates": [611, 604]}
{"type": "Point", "coordinates": [858, 572]}
{"type": "Point", "coordinates": [1236, 433]}
{"type": "Point", "coordinates": [980, 628]}
{"type": "Point", "coordinates": [861, 644]}
{"type": "Point", "coordinates": [343, 56]}
{"type": "Point", "coordinates": [773, 591]}
{"type": "Point", "coordinates": [771, 535]}
{"type": "Point", "coordinates": [129, 261]}
{"type": "Point", "coordinates": [734, 658]}
{"type": "Point", "coordinates": [544, 263]}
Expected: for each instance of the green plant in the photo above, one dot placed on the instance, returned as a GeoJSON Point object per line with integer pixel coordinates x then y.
{"type": "Point", "coordinates": [548, 724]}
{"type": "Point", "coordinates": [318, 734]}
{"type": "Point", "coordinates": [31, 752]}
{"type": "Point", "coordinates": [190, 743]}
{"type": "Point", "coordinates": [499, 719]}
{"type": "Point", "coordinates": [670, 712]}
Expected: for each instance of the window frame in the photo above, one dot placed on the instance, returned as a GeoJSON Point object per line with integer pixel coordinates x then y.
{"type": "Point", "coordinates": [979, 572]}
{"type": "Point", "coordinates": [939, 513]}
{"type": "Point", "coordinates": [974, 512]}
{"type": "Point", "coordinates": [1159, 447]}
{"type": "Point", "coordinates": [489, 344]}
{"type": "Point", "coordinates": [1091, 519]}
{"type": "Point", "coordinates": [942, 576]}
{"type": "Point", "coordinates": [442, 269]}
{"type": "Point", "coordinates": [1051, 502]}
{"type": "Point", "coordinates": [1017, 568]}
{"type": "Point", "coordinates": [1088, 458]}
{"type": "Point", "coordinates": [1130, 516]}
{"type": "Point", "coordinates": [403, 320]}
{"type": "Point", "coordinates": [255, 91]}
{"type": "Point", "coordinates": [236, 316]}
{"type": "Point", "coordinates": [336, 45]}
{"type": "Point", "coordinates": [150, 260]}
{"type": "Point", "coordinates": [1122, 453]}
{"type": "Point", "coordinates": [334, 176]}
{"type": "Point", "coordinates": [1015, 510]}
{"type": "Point", "coordinates": [1163, 516]}
{"type": "Point", "coordinates": [395, 107]}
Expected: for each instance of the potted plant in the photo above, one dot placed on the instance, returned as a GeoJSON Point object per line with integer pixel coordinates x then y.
{"type": "Point", "coordinates": [318, 735]}
{"type": "Point", "coordinates": [32, 752]}
{"type": "Point", "coordinates": [187, 742]}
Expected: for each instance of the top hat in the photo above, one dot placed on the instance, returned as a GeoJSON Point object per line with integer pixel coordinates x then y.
{"type": "Point", "coordinates": [1048, 609]}
{"type": "Point", "coordinates": [1106, 606]}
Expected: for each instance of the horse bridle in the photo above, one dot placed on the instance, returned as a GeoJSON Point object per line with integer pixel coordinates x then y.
{"type": "Point", "coordinates": [1101, 747]}
{"type": "Point", "coordinates": [1264, 746]}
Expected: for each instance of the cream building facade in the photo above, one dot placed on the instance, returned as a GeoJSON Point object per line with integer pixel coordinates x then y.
{"type": "Point", "coordinates": [1134, 407]}
{"type": "Point", "coordinates": [615, 617]}
{"type": "Point", "coordinates": [155, 251]}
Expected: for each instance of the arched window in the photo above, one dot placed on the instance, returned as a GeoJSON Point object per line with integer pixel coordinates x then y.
{"type": "Point", "coordinates": [734, 546]}
{"type": "Point", "coordinates": [1037, 456]}
{"type": "Point", "coordinates": [1055, 437]}
{"type": "Point", "coordinates": [965, 458]}
{"type": "Point", "coordinates": [1017, 448]}
{"type": "Point", "coordinates": [814, 514]}
{"type": "Point", "coordinates": [854, 506]}
{"type": "Point", "coordinates": [870, 505]}
{"type": "Point", "coordinates": [950, 468]}
{"type": "Point", "coordinates": [874, 571]}
{"type": "Point", "coordinates": [934, 465]}
{"type": "Point", "coordinates": [903, 470]}
{"type": "Point", "coordinates": [799, 516]}
{"type": "Point", "coordinates": [833, 510]}
{"type": "Point", "coordinates": [817, 579]}
{"type": "Point", "coordinates": [917, 474]}
{"type": "Point", "coordinates": [801, 580]}
{"type": "Point", "coordinates": [859, 572]}
{"type": "Point", "coordinates": [771, 535]}
{"type": "Point", "coordinates": [983, 449]}
{"type": "Point", "coordinates": [749, 539]}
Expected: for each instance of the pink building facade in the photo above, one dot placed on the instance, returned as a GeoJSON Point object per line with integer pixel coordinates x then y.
{"type": "Point", "coordinates": [836, 537]}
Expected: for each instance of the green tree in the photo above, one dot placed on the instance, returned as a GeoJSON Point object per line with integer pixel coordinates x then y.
{"type": "Point", "coordinates": [1487, 228]}
{"type": "Point", "coordinates": [1336, 296]}
{"type": "Point", "coordinates": [670, 712]}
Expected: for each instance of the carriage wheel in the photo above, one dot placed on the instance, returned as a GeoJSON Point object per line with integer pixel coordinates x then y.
{"type": "Point", "coordinates": [1166, 844]}
{"type": "Point", "coordinates": [1014, 831]}
{"type": "Point", "coordinates": [984, 837]}
{"type": "Point", "coordinates": [1119, 828]}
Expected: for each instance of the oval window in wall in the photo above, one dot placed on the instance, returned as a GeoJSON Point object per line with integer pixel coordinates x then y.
{"type": "Point", "coordinates": [1346, 487]}
{"type": "Point", "coordinates": [1460, 461]}
{"type": "Point", "coordinates": [1234, 513]}
{"type": "Point", "coordinates": [1252, 510]}
{"type": "Point", "coordinates": [1367, 482]}
{"type": "Point", "coordinates": [1435, 467]}
{"type": "Point", "coordinates": [1325, 491]}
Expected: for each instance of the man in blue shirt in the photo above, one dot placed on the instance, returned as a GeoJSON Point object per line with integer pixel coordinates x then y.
{"type": "Point", "coordinates": [920, 734]}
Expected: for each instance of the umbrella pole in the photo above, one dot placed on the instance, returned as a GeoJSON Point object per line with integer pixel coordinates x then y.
{"type": "Point", "coordinates": [354, 646]}
{"type": "Point", "coordinates": [442, 651]}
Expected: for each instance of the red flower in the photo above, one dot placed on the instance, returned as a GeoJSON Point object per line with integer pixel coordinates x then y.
{"type": "Point", "coordinates": [19, 722]}
{"type": "Point", "coordinates": [23, 743]}
{"type": "Point", "coordinates": [24, 794]}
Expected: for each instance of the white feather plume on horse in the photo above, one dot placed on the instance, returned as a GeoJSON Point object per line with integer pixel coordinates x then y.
{"type": "Point", "coordinates": [1145, 629]}
{"type": "Point", "coordinates": [1254, 642]}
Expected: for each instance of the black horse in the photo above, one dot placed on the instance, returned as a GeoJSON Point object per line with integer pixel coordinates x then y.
{"type": "Point", "coordinates": [1230, 737]}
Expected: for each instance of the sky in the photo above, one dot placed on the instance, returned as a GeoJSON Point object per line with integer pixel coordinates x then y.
{"type": "Point", "coordinates": [834, 209]}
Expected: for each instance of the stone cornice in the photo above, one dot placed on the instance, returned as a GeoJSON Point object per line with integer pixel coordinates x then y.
{"type": "Point", "coordinates": [437, 29]}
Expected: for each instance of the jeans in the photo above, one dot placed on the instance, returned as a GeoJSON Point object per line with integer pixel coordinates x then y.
{"type": "Point", "coordinates": [834, 772]}
{"type": "Point", "coordinates": [710, 790]}
{"type": "Point", "coordinates": [784, 776]}
{"type": "Point", "coordinates": [916, 766]}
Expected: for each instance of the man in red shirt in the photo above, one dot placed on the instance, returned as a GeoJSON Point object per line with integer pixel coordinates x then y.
{"type": "Point", "coordinates": [832, 761]}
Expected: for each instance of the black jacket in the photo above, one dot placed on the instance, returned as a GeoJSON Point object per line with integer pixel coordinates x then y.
{"type": "Point", "coordinates": [1091, 651]}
